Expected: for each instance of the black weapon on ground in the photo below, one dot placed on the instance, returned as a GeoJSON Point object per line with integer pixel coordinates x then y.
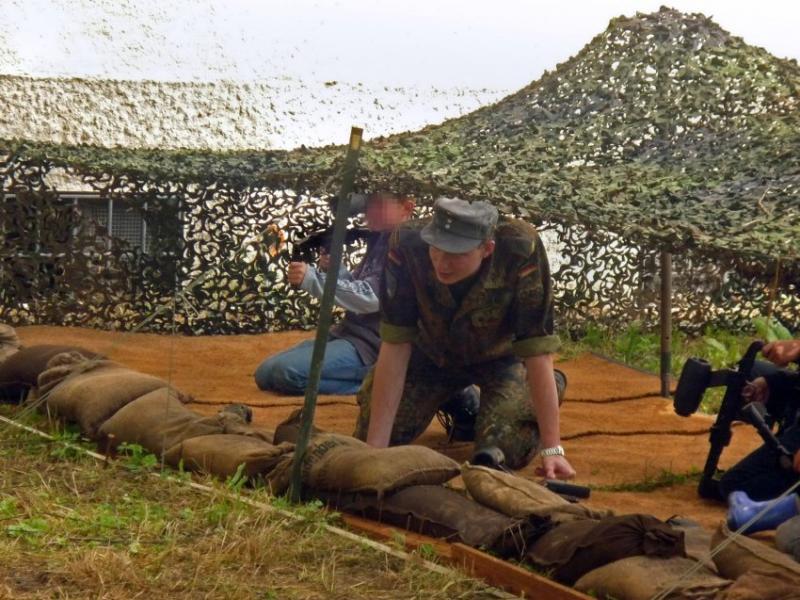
{"type": "Point", "coordinates": [752, 413]}
{"type": "Point", "coordinates": [493, 458]}
{"type": "Point", "coordinates": [310, 247]}
{"type": "Point", "coordinates": [696, 377]}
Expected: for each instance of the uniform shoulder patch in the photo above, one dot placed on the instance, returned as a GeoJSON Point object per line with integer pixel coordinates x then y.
{"type": "Point", "coordinates": [527, 270]}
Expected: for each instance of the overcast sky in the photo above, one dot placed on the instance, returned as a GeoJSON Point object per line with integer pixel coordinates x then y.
{"type": "Point", "coordinates": [497, 44]}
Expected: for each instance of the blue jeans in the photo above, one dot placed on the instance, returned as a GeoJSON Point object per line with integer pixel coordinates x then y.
{"type": "Point", "coordinates": [287, 372]}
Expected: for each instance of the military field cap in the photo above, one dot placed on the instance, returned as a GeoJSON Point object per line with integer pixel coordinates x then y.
{"type": "Point", "coordinates": [459, 226]}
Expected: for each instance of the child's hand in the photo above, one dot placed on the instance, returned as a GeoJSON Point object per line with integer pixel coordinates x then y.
{"type": "Point", "coordinates": [756, 391]}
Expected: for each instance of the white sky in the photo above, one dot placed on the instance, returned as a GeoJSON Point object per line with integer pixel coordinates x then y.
{"type": "Point", "coordinates": [497, 44]}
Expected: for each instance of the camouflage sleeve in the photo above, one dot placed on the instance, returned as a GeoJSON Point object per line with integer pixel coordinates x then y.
{"type": "Point", "coordinates": [398, 301]}
{"type": "Point", "coordinates": [533, 306]}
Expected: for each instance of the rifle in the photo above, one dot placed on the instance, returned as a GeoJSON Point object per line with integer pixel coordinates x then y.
{"type": "Point", "coordinates": [696, 377]}
{"type": "Point", "coordinates": [308, 248]}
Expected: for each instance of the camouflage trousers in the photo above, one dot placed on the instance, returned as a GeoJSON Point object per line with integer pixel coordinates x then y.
{"type": "Point", "coordinates": [506, 418]}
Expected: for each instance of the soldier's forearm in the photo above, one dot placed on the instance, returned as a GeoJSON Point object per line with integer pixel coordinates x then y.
{"type": "Point", "coordinates": [387, 390]}
{"type": "Point", "coordinates": [544, 397]}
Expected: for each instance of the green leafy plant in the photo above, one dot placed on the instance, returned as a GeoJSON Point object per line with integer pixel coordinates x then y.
{"type": "Point", "coordinates": [236, 481]}
{"type": "Point", "coordinates": [136, 458]}
{"type": "Point", "coordinates": [65, 444]}
{"type": "Point", "coordinates": [8, 508]}
{"type": "Point", "coordinates": [427, 552]}
{"type": "Point", "coordinates": [771, 330]}
{"type": "Point", "coordinates": [29, 528]}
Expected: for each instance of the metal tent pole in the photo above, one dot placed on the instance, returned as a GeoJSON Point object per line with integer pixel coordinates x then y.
{"type": "Point", "coordinates": [325, 310]}
{"type": "Point", "coordinates": [666, 322]}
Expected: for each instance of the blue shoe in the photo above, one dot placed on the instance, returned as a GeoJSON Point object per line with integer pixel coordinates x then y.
{"type": "Point", "coordinates": [741, 509]}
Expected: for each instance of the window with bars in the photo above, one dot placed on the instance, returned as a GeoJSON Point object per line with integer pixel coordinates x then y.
{"type": "Point", "coordinates": [123, 219]}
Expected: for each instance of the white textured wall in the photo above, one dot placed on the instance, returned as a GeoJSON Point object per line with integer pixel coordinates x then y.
{"type": "Point", "coordinates": [280, 113]}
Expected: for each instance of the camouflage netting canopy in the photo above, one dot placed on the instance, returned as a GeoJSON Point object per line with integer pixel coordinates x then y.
{"type": "Point", "coordinates": [664, 132]}
{"type": "Point", "coordinates": [665, 127]}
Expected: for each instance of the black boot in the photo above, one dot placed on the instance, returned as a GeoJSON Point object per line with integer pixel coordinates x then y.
{"type": "Point", "coordinates": [458, 414]}
{"type": "Point", "coordinates": [561, 384]}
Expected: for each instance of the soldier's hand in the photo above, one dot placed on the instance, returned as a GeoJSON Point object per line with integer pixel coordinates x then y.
{"type": "Point", "coordinates": [296, 273]}
{"type": "Point", "coordinates": [324, 261]}
{"type": "Point", "coordinates": [756, 391]}
{"type": "Point", "coordinates": [783, 352]}
{"type": "Point", "coordinates": [555, 467]}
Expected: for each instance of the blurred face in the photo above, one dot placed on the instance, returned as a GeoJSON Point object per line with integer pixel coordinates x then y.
{"type": "Point", "coordinates": [451, 268]}
{"type": "Point", "coordinates": [384, 212]}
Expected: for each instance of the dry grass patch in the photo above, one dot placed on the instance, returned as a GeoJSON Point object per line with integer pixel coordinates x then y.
{"type": "Point", "coordinates": [70, 528]}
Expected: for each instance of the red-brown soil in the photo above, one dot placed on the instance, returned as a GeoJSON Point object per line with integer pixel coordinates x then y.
{"type": "Point", "coordinates": [615, 427]}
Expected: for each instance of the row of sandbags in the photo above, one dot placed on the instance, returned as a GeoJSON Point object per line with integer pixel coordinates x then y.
{"type": "Point", "coordinates": [113, 404]}
{"type": "Point", "coordinates": [620, 556]}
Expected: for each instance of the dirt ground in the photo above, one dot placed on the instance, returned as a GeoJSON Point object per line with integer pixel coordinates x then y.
{"type": "Point", "coordinates": [616, 430]}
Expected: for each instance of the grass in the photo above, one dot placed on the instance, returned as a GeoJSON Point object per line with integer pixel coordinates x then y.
{"type": "Point", "coordinates": [664, 479]}
{"type": "Point", "coordinates": [72, 528]}
{"type": "Point", "coordinates": [640, 347]}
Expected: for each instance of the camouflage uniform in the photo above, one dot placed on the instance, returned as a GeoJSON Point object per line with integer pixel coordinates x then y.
{"type": "Point", "coordinates": [505, 316]}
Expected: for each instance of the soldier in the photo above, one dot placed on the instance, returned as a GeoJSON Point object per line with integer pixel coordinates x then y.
{"type": "Point", "coordinates": [465, 300]}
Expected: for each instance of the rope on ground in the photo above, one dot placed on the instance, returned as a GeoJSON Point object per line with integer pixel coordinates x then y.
{"type": "Point", "coordinates": [598, 432]}
{"type": "Point", "coordinates": [644, 396]}
{"type": "Point", "coordinates": [724, 544]}
{"type": "Point", "coordinates": [290, 404]}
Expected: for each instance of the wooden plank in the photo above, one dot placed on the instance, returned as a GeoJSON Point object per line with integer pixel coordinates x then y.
{"type": "Point", "coordinates": [388, 533]}
{"type": "Point", "coordinates": [511, 578]}
{"type": "Point", "coordinates": [493, 571]}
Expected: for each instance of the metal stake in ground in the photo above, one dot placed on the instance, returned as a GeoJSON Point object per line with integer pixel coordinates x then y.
{"type": "Point", "coordinates": [325, 310]}
{"type": "Point", "coordinates": [666, 322]}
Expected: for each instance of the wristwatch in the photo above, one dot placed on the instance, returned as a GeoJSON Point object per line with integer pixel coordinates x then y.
{"type": "Point", "coordinates": [554, 451]}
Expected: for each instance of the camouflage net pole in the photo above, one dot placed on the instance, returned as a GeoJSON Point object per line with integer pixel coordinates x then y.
{"type": "Point", "coordinates": [666, 322]}
{"type": "Point", "coordinates": [325, 310]}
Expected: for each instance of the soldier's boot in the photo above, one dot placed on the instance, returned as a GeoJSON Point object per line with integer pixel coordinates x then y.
{"type": "Point", "coordinates": [458, 414]}
{"type": "Point", "coordinates": [561, 384]}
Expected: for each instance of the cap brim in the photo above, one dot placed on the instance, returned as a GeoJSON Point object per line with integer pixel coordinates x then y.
{"type": "Point", "coordinates": [454, 244]}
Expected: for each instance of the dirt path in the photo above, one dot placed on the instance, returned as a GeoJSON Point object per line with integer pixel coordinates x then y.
{"type": "Point", "coordinates": [616, 430]}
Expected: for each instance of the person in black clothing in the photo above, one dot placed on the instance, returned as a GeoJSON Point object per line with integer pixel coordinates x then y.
{"type": "Point", "coordinates": [758, 478]}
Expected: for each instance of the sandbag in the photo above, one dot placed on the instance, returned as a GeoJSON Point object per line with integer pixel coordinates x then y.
{"type": "Point", "coordinates": [289, 429]}
{"type": "Point", "coordinates": [697, 540]}
{"type": "Point", "coordinates": [787, 537]}
{"type": "Point", "coordinates": [20, 370]}
{"type": "Point", "coordinates": [339, 463]}
{"type": "Point", "coordinates": [157, 421]}
{"type": "Point", "coordinates": [642, 577]}
{"type": "Point", "coordinates": [232, 422]}
{"type": "Point", "coordinates": [90, 392]}
{"type": "Point", "coordinates": [573, 549]}
{"type": "Point", "coordinates": [761, 584]}
{"type": "Point", "coordinates": [9, 342]}
{"type": "Point", "coordinates": [221, 455]}
{"type": "Point", "coordinates": [744, 554]}
{"type": "Point", "coordinates": [442, 512]}
{"type": "Point", "coordinates": [379, 470]}
{"type": "Point", "coordinates": [519, 497]}
{"type": "Point", "coordinates": [318, 446]}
